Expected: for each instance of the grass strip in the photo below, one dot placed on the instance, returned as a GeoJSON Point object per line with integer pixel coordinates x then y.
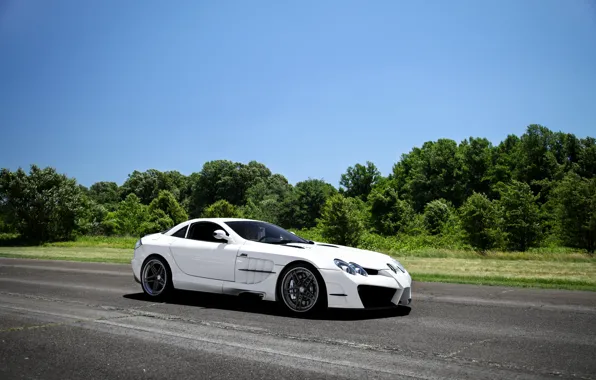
{"type": "Point", "coordinates": [552, 283]}
{"type": "Point", "coordinates": [83, 254]}
{"type": "Point", "coordinates": [553, 274]}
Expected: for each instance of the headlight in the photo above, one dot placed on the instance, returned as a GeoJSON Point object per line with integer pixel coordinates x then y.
{"type": "Point", "coordinates": [396, 264]}
{"type": "Point", "coordinates": [344, 266]}
{"type": "Point", "coordinates": [359, 270]}
{"type": "Point", "coordinates": [351, 268]}
{"type": "Point", "coordinates": [138, 244]}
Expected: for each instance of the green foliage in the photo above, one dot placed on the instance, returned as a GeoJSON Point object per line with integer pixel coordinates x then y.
{"type": "Point", "coordinates": [436, 215]}
{"type": "Point", "coordinates": [221, 209]}
{"type": "Point", "coordinates": [263, 199]}
{"type": "Point", "coordinates": [128, 218]}
{"type": "Point", "coordinates": [389, 215]}
{"type": "Point", "coordinates": [147, 185]}
{"type": "Point", "coordinates": [90, 220]}
{"type": "Point", "coordinates": [303, 206]}
{"type": "Point", "coordinates": [42, 206]}
{"type": "Point", "coordinates": [104, 193]}
{"type": "Point", "coordinates": [158, 221]}
{"type": "Point", "coordinates": [475, 156]}
{"type": "Point", "coordinates": [480, 219]}
{"type": "Point", "coordinates": [432, 172]}
{"type": "Point", "coordinates": [576, 211]}
{"type": "Point", "coordinates": [166, 203]}
{"type": "Point", "coordinates": [359, 180]}
{"type": "Point", "coordinates": [341, 220]}
{"type": "Point", "coordinates": [521, 215]}
{"type": "Point", "coordinates": [535, 190]}
{"type": "Point", "coordinates": [224, 180]}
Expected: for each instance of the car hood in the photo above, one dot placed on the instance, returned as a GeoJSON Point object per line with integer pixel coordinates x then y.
{"type": "Point", "coordinates": [365, 258]}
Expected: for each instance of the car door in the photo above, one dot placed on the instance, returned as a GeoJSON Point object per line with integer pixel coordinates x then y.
{"type": "Point", "coordinates": [202, 255]}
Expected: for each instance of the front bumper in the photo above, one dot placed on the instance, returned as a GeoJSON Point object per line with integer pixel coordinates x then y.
{"type": "Point", "coordinates": [387, 289]}
{"type": "Point", "coordinates": [136, 269]}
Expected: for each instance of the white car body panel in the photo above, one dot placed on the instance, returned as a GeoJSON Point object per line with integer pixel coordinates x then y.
{"type": "Point", "coordinates": [241, 266]}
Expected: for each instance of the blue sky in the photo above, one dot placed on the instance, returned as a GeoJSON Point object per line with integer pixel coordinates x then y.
{"type": "Point", "coordinates": [98, 89]}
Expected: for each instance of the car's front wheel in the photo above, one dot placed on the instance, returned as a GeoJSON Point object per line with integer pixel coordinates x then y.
{"type": "Point", "coordinates": [156, 277]}
{"type": "Point", "coordinates": [302, 289]}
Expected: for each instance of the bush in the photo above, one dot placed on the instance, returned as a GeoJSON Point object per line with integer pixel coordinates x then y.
{"type": "Point", "coordinates": [521, 216]}
{"type": "Point", "coordinates": [128, 219]}
{"type": "Point", "coordinates": [575, 200]}
{"type": "Point", "coordinates": [389, 215]}
{"type": "Point", "coordinates": [221, 209]}
{"type": "Point", "coordinates": [342, 220]}
{"type": "Point", "coordinates": [43, 206]}
{"type": "Point", "coordinates": [167, 203]}
{"type": "Point", "coordinates": [436, 214]}
{"type": "Point", "coordinates": [480, 219]}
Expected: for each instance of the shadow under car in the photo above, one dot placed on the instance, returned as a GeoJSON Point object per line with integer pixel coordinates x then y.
{"type": "Point", "coordinates": [254, 304]}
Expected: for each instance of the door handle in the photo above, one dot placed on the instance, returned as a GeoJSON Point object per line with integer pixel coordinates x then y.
{"type": "Point", "coordinates": [243, 255]}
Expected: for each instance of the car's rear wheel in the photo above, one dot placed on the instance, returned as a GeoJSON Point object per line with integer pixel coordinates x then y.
{"type": "Point", "coordinates": [302, 289]}
{"type": "Point", "coordinates": [156, 277]}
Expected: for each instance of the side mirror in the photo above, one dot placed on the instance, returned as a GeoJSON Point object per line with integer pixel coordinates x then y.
{"type": "Point", "coordinates": [221, 235]}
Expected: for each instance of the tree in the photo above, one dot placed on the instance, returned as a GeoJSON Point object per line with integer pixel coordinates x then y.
{"type": "Point", "coordinates": [535, 160]}
{"type": "Point", "coordinates": [587, 158]}
{"type": "Point", "coordinates": [303, 206]}
{"type": "Point", "coordinates": [436, 214]}
{"type": "Point", "coordinates": [341, 220]}
{"type": "Point", "coordinates": [104, 193]}
{"type": "Point", "coordinates": [128, 218]}
{"type": "Point", "coordinates": [433, 172]}
{"type": "Point", "coordinates": [42, 206]}
{"type": "Point", "coordinates": [576, 211]}
{"type": "Point", "coordinates": [504, 160]}
{"type": "Point", "coordinates": [480, 219]}
{"type": "Point", "coordinates": [221, 209]}
{"type": "Point", "coordinates": [147, 185]}
{"type": "Point", "coordinates": [224, 180]}
{"type": "Point", "coordinates": [476, 159]}
{"type": "Point", "coordinates": [265, 197]}
{"type": "Point", "coordinates": [158, 221]}
{"type": "Point", "coordinates": [389, 215]}
{"type": "Point", "coordinates": [90, 220]}
{"type": "Point", "coordinates": [166, 202]}
{"type": "Point", "coordinates": [521, 215]}
{"type": "Point", "coordinates": [359, 180]}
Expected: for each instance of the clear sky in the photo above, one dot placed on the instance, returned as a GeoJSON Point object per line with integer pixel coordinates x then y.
{"type": "Point", "coordinates": [98, 89]}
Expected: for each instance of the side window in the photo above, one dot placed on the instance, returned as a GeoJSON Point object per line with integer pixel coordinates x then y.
{"type": "Point", "coordinates": [204, 231]}
{"type": "Point", "coordinates": [181, 233]}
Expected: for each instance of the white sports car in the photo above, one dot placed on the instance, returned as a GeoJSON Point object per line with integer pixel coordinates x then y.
{"type": "Point", "coordinates": [236, 256]}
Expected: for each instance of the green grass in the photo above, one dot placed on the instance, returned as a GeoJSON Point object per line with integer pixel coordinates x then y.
{"type": "Point", "coordinates": [557, 268]}
{"type": "Point", "coordinates": [86, 254]}
{"type": "Point", "coordinates": [573, 275]}
{"type": "Point", "coordinates": [125, 242]}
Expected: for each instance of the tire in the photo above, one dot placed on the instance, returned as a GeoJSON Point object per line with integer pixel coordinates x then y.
{"type": "Point", "coordinates": [156, 278]}
{"type": "Point", "coordinates": [290, 294]}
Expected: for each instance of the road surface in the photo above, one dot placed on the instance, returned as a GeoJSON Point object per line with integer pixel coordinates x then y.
{"type": "Point", "coordinates": [65, 320]}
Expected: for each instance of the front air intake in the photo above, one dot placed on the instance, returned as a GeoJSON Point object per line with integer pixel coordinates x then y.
{"type": "Point", "coordinates": [376, 296]}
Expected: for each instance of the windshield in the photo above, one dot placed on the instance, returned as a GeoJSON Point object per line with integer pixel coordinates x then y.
{"type": "Point", "coordinates": [264, 232]}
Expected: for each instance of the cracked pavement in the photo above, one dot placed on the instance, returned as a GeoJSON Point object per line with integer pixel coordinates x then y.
{"type": "Point", "coordinates": [65, 320]}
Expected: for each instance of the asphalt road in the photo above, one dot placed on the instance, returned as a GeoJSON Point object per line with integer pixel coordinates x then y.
{"type": "Point", "coordinates": [63, 320]}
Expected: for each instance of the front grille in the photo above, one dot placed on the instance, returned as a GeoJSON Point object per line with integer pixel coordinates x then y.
{"type": "Point", "coordinates": [372, 272]}
{"type": "Point", "coordinates": [376, 296]}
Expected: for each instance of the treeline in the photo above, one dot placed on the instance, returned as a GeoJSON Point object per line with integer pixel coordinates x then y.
{"type": "Point", "coordinates": [535, 190]}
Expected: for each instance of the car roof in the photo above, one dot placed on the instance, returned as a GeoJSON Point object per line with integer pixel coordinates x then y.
{"type": "Point", "coordinates": [222, 220]}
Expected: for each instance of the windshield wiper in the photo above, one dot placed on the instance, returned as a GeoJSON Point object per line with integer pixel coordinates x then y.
{"type": "Point", "coordinates": [283, 241]}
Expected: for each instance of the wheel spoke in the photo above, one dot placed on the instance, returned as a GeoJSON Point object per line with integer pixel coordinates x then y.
{"type": "Point", "coordinates": [154, 277]}
{"type": "Point", "coordinates": [300, 289]}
